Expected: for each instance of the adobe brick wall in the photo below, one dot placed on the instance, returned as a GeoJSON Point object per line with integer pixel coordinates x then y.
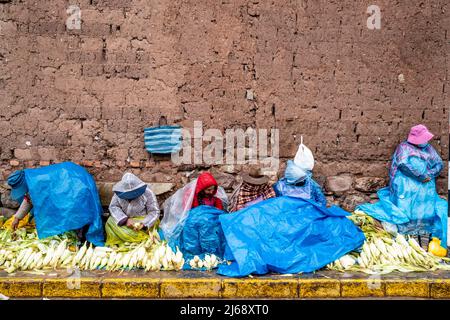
{"type": "Point", "coordinates": [314, 67]}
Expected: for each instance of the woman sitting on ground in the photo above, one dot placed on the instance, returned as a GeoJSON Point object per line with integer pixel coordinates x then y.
{"type": "Point", "coordinates": [133, 207]}
{"type": "Point", "coordinates": [299, 183]}
{"type": "Point", "coordinates": [205, 192]}
{"type": "Point", "coordinates": [254, 188]}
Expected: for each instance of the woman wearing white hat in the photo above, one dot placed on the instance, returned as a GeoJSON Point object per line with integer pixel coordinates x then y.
{"type": "Point", "coordinates": [297, 181]}
{"type": "Point", "coordinates": [133, 207]}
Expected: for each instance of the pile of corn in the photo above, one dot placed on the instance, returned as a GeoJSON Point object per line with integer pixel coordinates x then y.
{"type": "Point", "coordinates": [382, 253]}
{"type": "Point", "coordinates": [210, 262]}
{"type": "Point", "coordinates": [22, 251]}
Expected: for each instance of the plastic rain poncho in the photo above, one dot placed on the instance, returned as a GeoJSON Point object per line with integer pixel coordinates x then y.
{"type": "Point", "coordinates": [299, 183]}
{"type": "Point", "coordinates": [177, 207]}
{"type": "Point", "coordinates": [65, 198]}
{"type": "Point", "coordinates": [201, 234]}
{"type": "Point", "coordinates": [411, 204]}
{"type": "Point", "coordinates": [144, 205]}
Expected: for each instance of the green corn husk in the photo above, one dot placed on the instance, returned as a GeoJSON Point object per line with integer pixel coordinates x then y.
{"type": "Point", "coordinates": [390, 255]}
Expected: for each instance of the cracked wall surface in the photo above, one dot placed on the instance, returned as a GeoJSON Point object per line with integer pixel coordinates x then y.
{"type": "Point", "coordinates": [313, 68]}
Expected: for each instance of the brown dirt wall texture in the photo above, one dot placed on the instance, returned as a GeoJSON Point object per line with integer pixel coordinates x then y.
{"type": "Point", "coordinates": [313, 68]}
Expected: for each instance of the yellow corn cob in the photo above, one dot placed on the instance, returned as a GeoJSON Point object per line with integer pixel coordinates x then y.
{"type": "Point", "coordinates": [80, 253]}
{"type": "Point", "coordinates": [29, 261]}
{"type": "Point", "coordinates": [111, 259]}
{"type": "Point", "coordinates": [67, 253]}
{"type": "Point", "coordinates": [374, 249]}
{"type": "Point", "coordinates": [22, 254]}
{"type": "Point", "coordinates": [126, 259]}
{"type": "Point", "coordinates": [103, 263]}
{"type": "Point", "coordinates": [133, 260]}
{"type": "Point", "coordinates": [97, 262]}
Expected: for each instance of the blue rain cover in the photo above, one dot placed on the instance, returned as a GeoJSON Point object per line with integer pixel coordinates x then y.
{"type": "Point", "coordinates": [201, 234]}
{"type": "Point", "coordinates": [65, 198]}
{"type": "Point", "coordinates": [163, 139]}
{"type": "Point", "coordinates": [411, 202]}
{"type": "Point", "coordinates": [309, 190]}
{"type": "Point", "coordinates": [286, 235]}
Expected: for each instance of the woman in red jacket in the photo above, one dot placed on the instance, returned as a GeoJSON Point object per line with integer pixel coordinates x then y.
{"type": "Point", "coordinates": [201, 191]}
{"type": "Point", "coordinates": [205, 192]}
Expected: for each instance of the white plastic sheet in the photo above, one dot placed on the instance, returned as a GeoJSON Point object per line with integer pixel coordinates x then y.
{"type": "Point", "coordinates": [177, 207]}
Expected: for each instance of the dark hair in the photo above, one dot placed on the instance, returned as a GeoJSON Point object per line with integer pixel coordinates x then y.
{"type": "Point", "coordinates": [202, 194]}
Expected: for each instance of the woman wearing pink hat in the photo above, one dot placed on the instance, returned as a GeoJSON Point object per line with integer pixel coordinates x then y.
{"type": "Point", "coordinates": [411, 205]}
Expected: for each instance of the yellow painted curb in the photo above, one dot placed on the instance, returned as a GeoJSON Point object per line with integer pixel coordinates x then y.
{"type": "Point", "coordinates": [21, 287]}
{"type": "Point", "coordinates": [320, 288]}
{"type": "Point", "coordinates": [355, 288]}
{"type": "Point", "coordinates": [190, 288]}
{"type": "Point", "coordinates": [408, 288]}
{"type": "Point", "coordinates": [260, 288]}
{"type": "Point", "coordinates": [130, 288]}
{"type": "Point", "coordinates": [72, 288]}
{"type": "Point", "coordinates": [216, 287]}
{"type": "Point", "coordinates": [440, 289]}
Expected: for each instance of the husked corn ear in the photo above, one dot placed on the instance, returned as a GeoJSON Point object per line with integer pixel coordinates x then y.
{"type": "Point", "coordinates": [80, 254]}
{"type": "Point", "coordinates": [382, 253]}
{"type": "Point", "coordinates": [60, 252]}
{"type": "Point", "coordinates": [103, 263]}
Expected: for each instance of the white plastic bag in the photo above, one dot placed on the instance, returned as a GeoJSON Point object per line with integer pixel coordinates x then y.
{"type": "Point", "coordinates": [304, 157]}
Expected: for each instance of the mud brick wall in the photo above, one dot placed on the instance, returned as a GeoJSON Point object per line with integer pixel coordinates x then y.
{"type": "Point", "coordinates": [313, 66]}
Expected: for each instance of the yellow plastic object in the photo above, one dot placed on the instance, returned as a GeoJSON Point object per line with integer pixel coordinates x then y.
{"type": "Point", "coordinates": [434, 247]}
{"type": "Point", "coordinates": [25, 222]}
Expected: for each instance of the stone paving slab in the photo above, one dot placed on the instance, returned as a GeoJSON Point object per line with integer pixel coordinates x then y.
{"type": "Point", "coordinates": [200, 285]}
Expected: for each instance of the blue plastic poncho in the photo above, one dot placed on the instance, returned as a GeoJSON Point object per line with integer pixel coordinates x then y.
{"type": "Point", "coordinates": [299, 183]}
{"type": "Point", "coordinates": [309, 190]}
{"type": "Point", "coordinates": [65, 198]}
{"type": "Point", "coordinates": [200, 234]}
{"type": "Point", "coordinates": [286, 235]}
{"type": "Point", "coordinates": [411, 204]}
{"type": "Point", "coordinates": [294, 173]}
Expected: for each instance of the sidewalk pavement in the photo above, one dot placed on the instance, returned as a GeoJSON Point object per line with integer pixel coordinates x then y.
{"type": "Point", "coordinates": [201, 285]}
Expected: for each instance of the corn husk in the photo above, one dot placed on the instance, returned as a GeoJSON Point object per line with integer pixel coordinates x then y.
{"type": "Point", "coordinates": [22, 251]}
{"type": "Point", "coordinates": [382, 253]}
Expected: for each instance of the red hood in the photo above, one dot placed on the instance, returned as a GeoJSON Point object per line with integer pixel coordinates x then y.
{"type": "Point", "coordinates": [205, 180]}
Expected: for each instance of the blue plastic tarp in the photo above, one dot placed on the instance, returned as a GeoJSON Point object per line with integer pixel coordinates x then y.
{"type": "Point", "coordinates": [309, 190]}
{"type": "Point", "coordinates": [286, 235]}
{"type": "Point", "coordinates": [200, 234]}
{"type": "Point", "coordinates": [65, 198]}
{"type": "Point", "coordinates": [414, 203]}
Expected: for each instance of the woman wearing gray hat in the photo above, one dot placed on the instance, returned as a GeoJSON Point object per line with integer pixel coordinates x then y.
{"type": "Point", "coordinates": [133, 207]}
